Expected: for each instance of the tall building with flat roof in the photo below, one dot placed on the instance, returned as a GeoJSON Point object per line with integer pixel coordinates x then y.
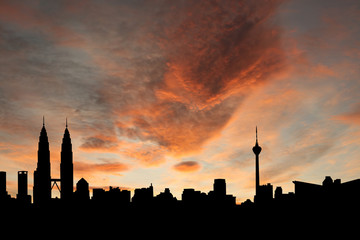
{"type": "Point", "coordinates": [220, 187]}
{"type": "Point", "coordinates": [3, 192]}
{"type": "Point", "coordinates": [23, 187]}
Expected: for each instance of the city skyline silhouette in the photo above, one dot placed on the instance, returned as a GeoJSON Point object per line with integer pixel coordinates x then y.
{"type": "Point", "coordinates": [331, 195]}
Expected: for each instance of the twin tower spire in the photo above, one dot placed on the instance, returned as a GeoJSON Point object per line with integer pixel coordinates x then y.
{"type": "Point", "coordinates": [66, 124]}
{"type": "Point", "coordinates": [42, 176]}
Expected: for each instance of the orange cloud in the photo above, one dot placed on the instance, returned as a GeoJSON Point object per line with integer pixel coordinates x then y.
{"type": "Point", "coordinates": [109, 167]}
{"type": "Point", "coordinates": [321, 70]}
{"type": "Point", "coordinates": [147, 155]}
{"type": "Point", "coordinates": [189, 166]}
{"type": "Point", "coordinates": [352, 117]}
{"type": "Point", "coordinates": [206, 61]}
{"type": "Point", "coordinates": [100, 143]}
{"type": "Point", "coordinates": [212, 56]}
{"type": "Point", "coordinates": [22, 154]}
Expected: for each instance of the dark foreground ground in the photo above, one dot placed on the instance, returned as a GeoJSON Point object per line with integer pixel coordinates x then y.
{"type": "Point", "coordinates": [196, 222]}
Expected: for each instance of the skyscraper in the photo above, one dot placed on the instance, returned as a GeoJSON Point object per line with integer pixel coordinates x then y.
{"type": "Point", "coordinates": [23, 187]}
{"type": "Point", "coordinates": [3, 192]}
{"type": "Point", "coordinates": [257, 149]}
{"type": "Point", "coordinates": [220, 188]}
{"type": "Point", "coordinates": [82, 191]}
{"type": "Point", "coordinates": [66, 167]}
{"type": "Point", "coordinates": [42, 178]}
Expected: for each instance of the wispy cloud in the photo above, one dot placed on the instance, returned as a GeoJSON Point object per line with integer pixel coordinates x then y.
{"type": "Point", "coordinates": [351, 117]}
{"type": "Point", "coordinates": [105, 167]}
{"type": "Point", "coordinates": [188, 166]}
{"type": "Point", "coordinates": [100, 142]}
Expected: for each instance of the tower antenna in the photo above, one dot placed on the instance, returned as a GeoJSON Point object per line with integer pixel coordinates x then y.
{"type": "Point", "coordinates": [257, 149]}
{"type": "Point", "coordinates": [256, 135]}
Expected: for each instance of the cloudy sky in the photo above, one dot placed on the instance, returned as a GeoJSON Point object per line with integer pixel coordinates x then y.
{"type": "Point", "coordinates": [170, 92]}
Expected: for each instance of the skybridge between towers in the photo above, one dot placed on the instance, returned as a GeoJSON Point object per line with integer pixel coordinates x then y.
{"type": "Point", "coordinates": [55, 182]}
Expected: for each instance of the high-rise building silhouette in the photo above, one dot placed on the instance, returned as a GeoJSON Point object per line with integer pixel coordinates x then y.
{"type": "Point", "coordinates": [166, 197]}
{"type": "Point", "coordinates": [190, 197]}
{"type": "Point", "coordinates": [82, 190]}
{"type": "Point", "coordinates": [23, 187]}
{"type": "Point", "coordinates": [331, 191]}
{"type": "Point", "coordinates": [66, 167]}
{"type": "Point", "coordinates": [220, 187]}
{"type": "Point", "coordinates": [218, 196]}
{"type": "Point", "coordinates": [143, 195]}
{"type": "Point", "coordinates": [257, 149]}
{"type": "Point", "coordinates": [117, 197]}
{"type": "Point", "coordinates": [42, 178]}
{"type": "Point", "coordinates": [3, 192]}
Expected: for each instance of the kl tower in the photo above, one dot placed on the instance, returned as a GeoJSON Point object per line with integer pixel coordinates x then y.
{"type": "Point", "coordinates": [257, 149]}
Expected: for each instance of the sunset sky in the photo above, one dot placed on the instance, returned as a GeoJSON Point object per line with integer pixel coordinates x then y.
{"type": "Point", "coordinates": [170, 92]}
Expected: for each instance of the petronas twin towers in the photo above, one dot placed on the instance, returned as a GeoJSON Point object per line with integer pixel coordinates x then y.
{"type": "Point", "coordinates": [42, 176]}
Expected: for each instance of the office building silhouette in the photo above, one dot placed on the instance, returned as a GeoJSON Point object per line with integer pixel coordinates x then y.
{"type": "Point", "coordinates": [143, 195]}
{"type": "Point", "coordinates": [330, 192]}
{"type": "Point", "coordinates": [265, 194]}
{"type": "Point", "coordinates": [23, 188]}
{"type": "Point", "coordinates": [279, 196]}
{"type": "Point", "coordinates": [117, 196]}
{"type": "Point", "coordinates": [219, 197]}
{"type": "Point", "coordinates": [166, 198]}
{"type": "Point", "coordinates": [220, 187]}
{"type": "Point", "coordinates": [192, 198]}
{"type": "Point", "coordinates": [66, 167]}
{"type": "Point", "coordinates": [42, 178]}
{"type": "Point", "coordinates": [82, 193]}
{"type": "Point", "coordinates": [2, 183]}
{"type": "Point", "coordinates": [114, 197]}
{"type": "Point", "coordinates": [3, 193]}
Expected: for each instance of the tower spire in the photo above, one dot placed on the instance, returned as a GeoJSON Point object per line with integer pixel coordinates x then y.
{"type": "Point", "coordinates": [66, 166]}
{"type": "Point", "coordinates": [257, 149]}
{"type": "Point", "coordinates": [42, 177]}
